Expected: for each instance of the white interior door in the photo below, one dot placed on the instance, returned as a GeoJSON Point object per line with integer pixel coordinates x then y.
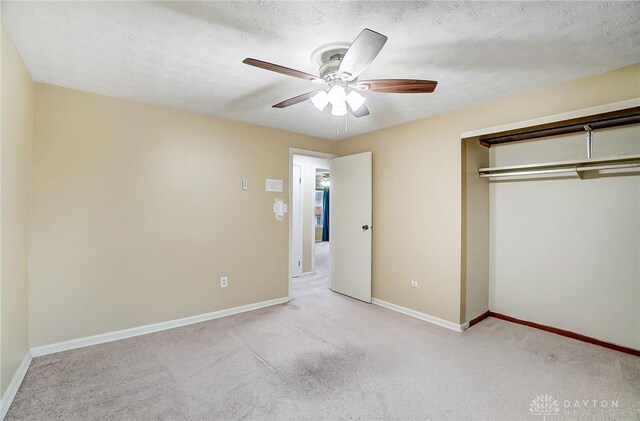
{"type": "Point", "coordinates": [296, 222]}
{"type": "Point", "coordinates": [350, 225]}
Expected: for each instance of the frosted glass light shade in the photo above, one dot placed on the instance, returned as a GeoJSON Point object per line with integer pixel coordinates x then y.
{"type": "Point", "coordinates": [355, 100]}
{"type": "Point", "coordinates": [337, 95]}
{"type": "Point", "coordinates": [320, 100]}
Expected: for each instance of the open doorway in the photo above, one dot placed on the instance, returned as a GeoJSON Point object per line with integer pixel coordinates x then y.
{"type": "Point", "coordinates": [310, 257]}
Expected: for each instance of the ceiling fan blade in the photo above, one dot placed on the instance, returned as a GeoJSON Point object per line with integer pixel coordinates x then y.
{"type": "Point", "coordinates": [296, 99]}
{"type": "Point", "coordinates": [398, 86]}
{"type": "Point", "coordinates": [360, 112]}
{"type": "Point", "coordinates": [359, 56]}
{"type": "Point", "coordinates": [281, 69]}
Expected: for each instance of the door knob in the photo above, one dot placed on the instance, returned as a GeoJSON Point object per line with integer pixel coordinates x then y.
{"type": "Point", "coordinates": [365, 227]}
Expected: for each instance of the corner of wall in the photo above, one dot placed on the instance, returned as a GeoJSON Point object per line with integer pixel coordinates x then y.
{"type": "Point", "coordinates": [17, 122]}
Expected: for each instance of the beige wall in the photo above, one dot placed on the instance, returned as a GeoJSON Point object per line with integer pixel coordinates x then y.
{"type": "Point", "coordinates": [417, 188]}
{"type": "Point", "coordinates": [138, 210]}
{"type": "Point", "coordinates": [309, 165]}
{"type": "Point", "coordinates": [17, 103]}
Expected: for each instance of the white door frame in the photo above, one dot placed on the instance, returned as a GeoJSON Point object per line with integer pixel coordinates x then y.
{"type": "Point", "coordinates": [297, 209]}
{"type": "Point", "coordinates": [296, 151]}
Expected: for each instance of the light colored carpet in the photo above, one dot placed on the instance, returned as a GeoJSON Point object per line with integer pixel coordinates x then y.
{"type": "Point", "coordinates": [327, 357]}
{"type": "Point", "coordinates": [318, 282]}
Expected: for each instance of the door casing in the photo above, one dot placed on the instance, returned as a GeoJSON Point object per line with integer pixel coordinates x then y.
{"type": "Point", "coordinates": [305, 152]}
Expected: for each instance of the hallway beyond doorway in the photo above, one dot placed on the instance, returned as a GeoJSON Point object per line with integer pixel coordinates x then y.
{"type": "Point", "coordinates": [318, 282]}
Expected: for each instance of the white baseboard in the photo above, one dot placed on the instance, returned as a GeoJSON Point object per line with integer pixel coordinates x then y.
{"type": "Point", "coordinates": [13, 387]}
{"type": "Point", "coordinates": [422, 316]}
{"type": "Point", "coordinates": [143, 330]}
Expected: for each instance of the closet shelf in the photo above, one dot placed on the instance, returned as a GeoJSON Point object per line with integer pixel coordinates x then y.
{"type": "Point", "coordinates": [576, 166]}
{"type": "Point", "coordinates": [606, 120]}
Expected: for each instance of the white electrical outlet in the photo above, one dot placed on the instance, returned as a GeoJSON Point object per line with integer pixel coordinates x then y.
{"type": "Point", "coordinates": [414, 283]}
{"type": "Point", "coordinates": [224, 282]}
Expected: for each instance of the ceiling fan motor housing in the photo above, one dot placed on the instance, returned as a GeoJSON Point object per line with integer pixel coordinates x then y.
{"type": "Point", "coordinates": [329, 70]}
{"type": "Point", "coordinates": [328, 58]}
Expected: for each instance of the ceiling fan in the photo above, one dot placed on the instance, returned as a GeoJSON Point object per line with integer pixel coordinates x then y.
{"type": "Point", "coordinates": [340, 65]}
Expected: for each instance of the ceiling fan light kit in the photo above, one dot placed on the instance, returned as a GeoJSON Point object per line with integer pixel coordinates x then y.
{"type": "Point", "coordinates": [339, 110]}
{"type": "Point", "coordinates": [340, 65]}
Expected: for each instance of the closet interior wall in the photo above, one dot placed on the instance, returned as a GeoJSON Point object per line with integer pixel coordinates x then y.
{"type": "Point", "coordinates": [475, 231]}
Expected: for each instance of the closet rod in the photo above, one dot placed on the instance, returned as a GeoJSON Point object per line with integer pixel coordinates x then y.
{"type": "Point", "coordinates": [623, 162]}
{"type": "Point", "coordinates": [530, 172]}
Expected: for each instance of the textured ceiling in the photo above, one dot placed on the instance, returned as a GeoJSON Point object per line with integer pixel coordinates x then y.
{"type": "Point", "coordinates": [188, 55]}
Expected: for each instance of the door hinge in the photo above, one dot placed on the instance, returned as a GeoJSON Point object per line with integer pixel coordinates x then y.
{"type": "Point", "coordinates": [300, 180]}
{"type": "Point", "coordinates": [298, 263]}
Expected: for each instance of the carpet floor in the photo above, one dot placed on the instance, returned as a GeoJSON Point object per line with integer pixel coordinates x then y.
{"type": "Point", "coordinates": [324, 357]}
